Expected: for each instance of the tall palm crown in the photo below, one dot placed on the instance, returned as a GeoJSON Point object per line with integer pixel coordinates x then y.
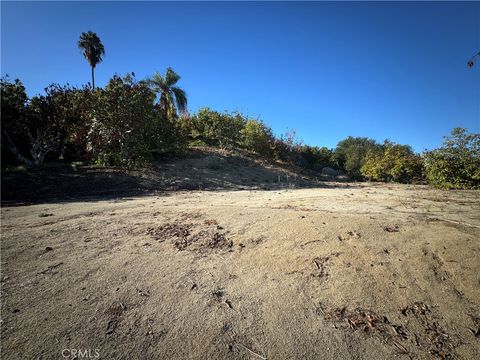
{"type": "Point", "coordinates": [172, 97]}
{"type": "Point", "coordinates": [93, 50]}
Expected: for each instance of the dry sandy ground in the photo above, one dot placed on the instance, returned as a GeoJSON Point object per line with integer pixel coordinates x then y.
{"type": "Point", "coordinates": [349, 271]}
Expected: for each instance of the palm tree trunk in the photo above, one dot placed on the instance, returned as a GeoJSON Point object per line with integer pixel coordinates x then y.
{"type": "Point", "coordinates": [93, 79]}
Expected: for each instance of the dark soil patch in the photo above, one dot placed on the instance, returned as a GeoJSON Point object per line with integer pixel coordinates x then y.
{"type": "Point", "coordinates": [219, 241]}
{"type": "Point", "coordinates": [391, 228]}
{"type": "Point", "coordinates": [168, 231]}
{"type": "Point", "coordinates": [184, 236]}
{"type": "Point", "coordinates": [210, 222]}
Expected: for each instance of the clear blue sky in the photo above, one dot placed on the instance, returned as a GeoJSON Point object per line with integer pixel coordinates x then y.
{"type": "Point", "coordinates": [328, 70]}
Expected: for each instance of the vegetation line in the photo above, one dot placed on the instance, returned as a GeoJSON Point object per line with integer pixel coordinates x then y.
{"type": "Point", "coordinates": [131, 123]}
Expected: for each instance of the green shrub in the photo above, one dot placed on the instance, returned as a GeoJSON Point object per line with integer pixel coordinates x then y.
{"type": "Point", "coordinates": [13, 111]}
{"type": "Point", "coordinates": [455, 165]}
{"type": "Point", "coordinates": [120, 124]}
{"type": "Point", "coordinates": [392, 162]}
{"type": "Point", "coordinates": [315, 157]}
{"type": "Point", "coordinates": [166, 136]}
{"type": "Point", "coordinates": [257, 137]}
{"type": "Point", "coordinates": [123, 113]}
{"type": "Point", "coordinates": [16, 168]}
{"type": "Point", "coordinates": [40, 126]}
{"type": "Point", "coordinates": [350, 154]}
{"type": "Point", "coordinates": [217, 129]}
{"type": "Point", "coordinates": [75, 146]}
{"type": "Point", "coordinates": [286, 146]}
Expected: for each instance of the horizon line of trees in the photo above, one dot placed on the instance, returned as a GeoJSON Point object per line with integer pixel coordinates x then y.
{"type": "Point", "coordinates": [132, 122]}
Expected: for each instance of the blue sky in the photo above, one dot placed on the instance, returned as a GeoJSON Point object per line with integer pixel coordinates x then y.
{"type": "Point", "coordinates": [329, 70]}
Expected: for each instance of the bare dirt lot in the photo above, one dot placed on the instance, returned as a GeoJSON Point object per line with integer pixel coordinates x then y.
{"type": "Point", "coordinates": [346, 271]}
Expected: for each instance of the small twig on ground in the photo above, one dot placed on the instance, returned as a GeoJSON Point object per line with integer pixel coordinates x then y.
{"type": "Point", "coordinates": [458, 222]}
{"type": "Point", "coordinates": [51, 267]}
{"type": "Point", "coordinates": [310, 242]}
{"type": "Point", "coordinates": [402, 349]}
{"type": "Point", "coordinates": [251, 351]}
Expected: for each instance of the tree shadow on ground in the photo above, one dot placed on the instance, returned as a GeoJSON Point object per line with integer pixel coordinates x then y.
{"type": "Point", "coordinates": [203, 169]}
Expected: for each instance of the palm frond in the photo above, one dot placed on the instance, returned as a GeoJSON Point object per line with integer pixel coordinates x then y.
{"type": "Point", "coordinates": [171, 77]}
{"type": "Point", "coordinates": [171, 98]}
{"type": "Point", "coordinates": [93, 49]}
{"type": "Point", "coordinates": [180, 98]}
{"type": "Point", "coordinates": [157, 79]}
{"type": "Point", "coordinates": [157, 83]}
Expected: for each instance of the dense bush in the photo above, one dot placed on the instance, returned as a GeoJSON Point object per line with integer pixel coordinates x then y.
{"type": "Point", "coordinates": [13, 110]}
{"type": "Point", "coordinates": [129, 127]}
{"type": "Point", "coordinates": [258, 137]}
{"type": "Point", "coordinates": [350, 154]}
{"type": "Point", "coordinates": [32, 129]}
{"type": "Point", "coordinates": [120, 124]}
{"type": "Point", "coordinates": [218, 129]}
{"type": "Point", "coordinates": [122, 113]}
{"type": "Point", "coordinates": [166, 135]}
{"type": "Point", "coordinates": [456, 165]}
{"type": "Point", "coordinates": [392, 162]}
{"type": "Point", "coordinates": [74, 146]}
{"type": "Point", "coordinates": [286, 146]}
{"type": "Point", "coordinates": [315, 157]}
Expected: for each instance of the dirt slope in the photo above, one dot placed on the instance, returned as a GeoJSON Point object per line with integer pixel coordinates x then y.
{"type": "Point", "coordinates": [201, 168]}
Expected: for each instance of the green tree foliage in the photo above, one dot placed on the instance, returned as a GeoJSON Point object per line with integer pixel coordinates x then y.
{"type": "Point", "coordinates": [218, 129]}
{"type": "Point", "coordinates": [92, 49]}
{"type": "Point", "coordinates": [455, 165]}
{"type": "Point", "coordinates": [315, 157]}
{"type": "Point", "coordinates": [128, 127]}
{"type": "Point", "coordinates": [120, 124]}
{"type": "Point", "coordinates": [257, 137]}
{"type": "Point", "coordinates": [33, 128]}
{"type": "Point", "coordinates": [392, 162]}
{"type": "Point", "coordinates": [167, 136]}
{"type": "Point", "coordinates": [75, 145]}
{"type": "Point", "coordinates": [350, 154]}
{"type": "Point", "coordinates": [286, 146]}
{"type": "Point", "coordinates": [122, 112]}
{"type": "Point", "coordinates": [14, 109]}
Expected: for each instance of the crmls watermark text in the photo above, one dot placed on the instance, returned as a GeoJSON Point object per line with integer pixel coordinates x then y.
{"type": "Point", "coordinates": [81, 353]}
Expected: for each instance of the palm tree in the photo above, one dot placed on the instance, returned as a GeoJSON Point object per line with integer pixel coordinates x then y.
{"type": "Point", "coordinates": [171, 97]}
{"type": "Point", "coordinates": [93, 50]}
